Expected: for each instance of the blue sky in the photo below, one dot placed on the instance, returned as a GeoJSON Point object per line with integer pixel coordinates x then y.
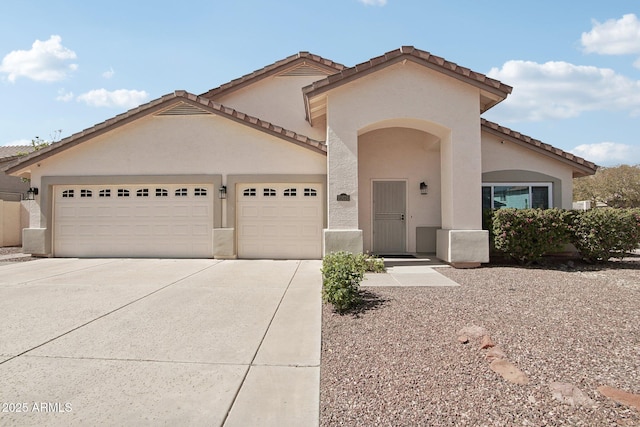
{"type": "Point", "coordinates": [575, 66]}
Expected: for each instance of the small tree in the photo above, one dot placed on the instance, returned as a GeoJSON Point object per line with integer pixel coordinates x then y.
{"type": "Point", "coordinates": [616, 187]}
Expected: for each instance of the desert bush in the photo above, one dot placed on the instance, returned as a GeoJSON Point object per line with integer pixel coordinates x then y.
{"type": "Point", "coordinates": [601, 234]}
{"type": "Point", "coordinates": [528, 234]}
{"type": "Point", "coordinates": [371, 263]}
{"type": "Point", "coordinates": [342, 273]}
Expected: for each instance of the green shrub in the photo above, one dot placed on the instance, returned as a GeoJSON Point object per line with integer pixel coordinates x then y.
{"type": "Point", "coordinates": [603, 233]}
{"type": "Point", "coordinates": [342, 273]}
{"type": "Point", "coordinates": [528, 234]}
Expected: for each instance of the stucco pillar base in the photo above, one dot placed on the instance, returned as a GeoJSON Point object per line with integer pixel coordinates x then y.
{"type": "Point", "coordinates": [463, 248]}
{"type": "Point", "coordinates": [34, 241]}
{"type": "Point", "coordinates": [342, 240]}
{"type": "Point", "coordinates": [224, 240]}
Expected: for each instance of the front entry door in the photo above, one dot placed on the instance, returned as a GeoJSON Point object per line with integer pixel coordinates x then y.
{"type": "Point", "coordinates": [389, 217]}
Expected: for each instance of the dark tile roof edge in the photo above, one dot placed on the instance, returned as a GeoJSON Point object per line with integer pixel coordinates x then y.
{"type": "Point", "coordinates": [157, 105]}
{"type": "Point", "coordinates": [420, 56]}
{"type": "Point", "coordinates": [271, 69]}
{"type": "Point", "coordinates": [497, 129]}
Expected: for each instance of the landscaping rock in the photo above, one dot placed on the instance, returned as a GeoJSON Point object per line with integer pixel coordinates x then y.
{"type": "Point", "coordinates": [509, 371]}
{"type": "Point", "coordinates": [570, 394]}
{"type": "Point", "coordinates": [486, 342]}
{"type": "Point", "coordinates": [495, 353]}
{"type": "Point", "coordinates": [621, 396]}
{"type": "Point", "coordinates": [473, 331]}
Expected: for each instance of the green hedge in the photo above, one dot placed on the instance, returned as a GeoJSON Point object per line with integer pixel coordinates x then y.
{"type": "Point", "coordinates": [527, 235]}
{"type": "Point", "coordinates": [600, 234]}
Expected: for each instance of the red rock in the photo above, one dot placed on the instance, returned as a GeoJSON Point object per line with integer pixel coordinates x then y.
{"type": "Point", "coordinates": [509, 371]}
{"type": "Point", "coordinates": [495, 353]}
{"type": "Point", "coordinates": [486, 342]}
{"type": "Point", "coordinates": [621, 396]}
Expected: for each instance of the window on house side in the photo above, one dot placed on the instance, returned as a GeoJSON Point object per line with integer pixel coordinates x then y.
{"type": "Point", "coordinates": [516, 195]}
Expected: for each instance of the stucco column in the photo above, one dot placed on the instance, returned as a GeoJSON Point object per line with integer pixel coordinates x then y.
{"type": "Point", "coordinates": [461, 241]}
{"type": "Point", "coordinates": [342, 233]}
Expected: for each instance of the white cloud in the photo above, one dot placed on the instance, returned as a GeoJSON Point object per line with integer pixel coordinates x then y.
{"type": "Point", "coordinates": [123, 98]}
{"type": "Point", "coordinates": [637, 63]}
{"type": "Point", "coordinates": [64, 96]}
{"type": "Point", "coordinates": [607, 153]}
{"type": "Point", "coordinates": [109, 73]}
{"type": "Point", "coordinates": [17, 142]}
{"type": "Point", "coordinates": [559, 90]}
{"type": "Point", "coordinates": [46, 61]}
{"type": "Point", "coordinates": [373, 2]}
{"type": "Point", "coordinates": [613, 37]}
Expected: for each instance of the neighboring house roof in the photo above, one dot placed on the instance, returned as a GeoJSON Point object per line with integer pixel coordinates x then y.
{"type": "Point", "coordinates": [178, 103]}
{"type": "Point", "coordinates": [586, 167]}
{"type": "Point", "coordinates": [492, 91]}
{"type": "Point", "coordinates": [304, 61]}
{"type": "Point", "coordinates": [10, 151]}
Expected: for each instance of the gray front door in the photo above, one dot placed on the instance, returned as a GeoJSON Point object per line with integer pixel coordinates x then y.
{"type": "Point", "coordinates": [389, 217]}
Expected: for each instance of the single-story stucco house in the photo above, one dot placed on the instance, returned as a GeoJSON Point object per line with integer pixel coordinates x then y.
{"type": "Point", "coordinates": [302, 157]}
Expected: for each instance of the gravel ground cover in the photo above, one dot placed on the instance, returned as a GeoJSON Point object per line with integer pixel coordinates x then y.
{"type": "Point", "coordinates": [397, 360]}
{"type": "Point", "coordinates": [13, 250]}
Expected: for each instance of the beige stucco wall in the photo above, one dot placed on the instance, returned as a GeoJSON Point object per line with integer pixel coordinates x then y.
{"type": "Point", "coordinates": [277, 100]}
{"type": "Point", "coordinates": [182, 145]}
{"type": "Point", "coordinates": [500, 156]}
{"type": "Point", "coordinates": [405, 154]}
{"type": "Point", "coordinates": [413, 96]}
{"type": "Point", "coordinates": [10, 223]}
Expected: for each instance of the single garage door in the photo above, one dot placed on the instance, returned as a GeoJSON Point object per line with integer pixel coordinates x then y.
{"type": "Point", "coordinates": [154, 220]}
{"type": "Point", "coordinates": [279, 221]}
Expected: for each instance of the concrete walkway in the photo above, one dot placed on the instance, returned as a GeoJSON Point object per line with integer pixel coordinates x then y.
{"type": "Point", "coordinates": [160, 342]}
{"type": "Point", "coordinates": [422, 271]}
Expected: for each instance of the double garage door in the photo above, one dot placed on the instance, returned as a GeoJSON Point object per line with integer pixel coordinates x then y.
{"type": "Point", "coordinates": [273, 220]}
{"type": "Point", "coordinates": [133, 221]}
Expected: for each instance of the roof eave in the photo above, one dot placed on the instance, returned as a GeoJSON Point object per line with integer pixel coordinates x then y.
{"type": "Point", "coordinates": [157, 105]}
{"type": "Point", "coordinates": [581, 167]}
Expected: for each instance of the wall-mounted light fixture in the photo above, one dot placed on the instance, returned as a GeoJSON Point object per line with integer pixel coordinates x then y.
{"type": "Point", "coordinates": [222, 192]}
{"type": "Point", "coordinates": [424, 188]}
{"type": "Point", "coordinates": [31, 193]}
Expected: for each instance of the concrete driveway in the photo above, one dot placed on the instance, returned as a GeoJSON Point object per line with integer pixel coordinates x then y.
{"type": "Point", "coordinates": [160, 342]}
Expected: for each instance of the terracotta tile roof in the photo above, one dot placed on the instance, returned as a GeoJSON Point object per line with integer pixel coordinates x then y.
{"type": "Point", "coordinates": [495, 87]}
{"type": "Point", "coordinates": [589, 168]}
{"type": "Point", "coordinates": [7, 151]}
{"type": "Point", "coordinates": [326, 64]}
{"type": "Point", "coordinates": [163, 103]}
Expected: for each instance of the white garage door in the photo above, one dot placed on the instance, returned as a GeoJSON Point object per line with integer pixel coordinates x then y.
{"type": "Point", "coordinates": [280, 221]}
{"type": "Point", "coordinates": [133, 221]}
